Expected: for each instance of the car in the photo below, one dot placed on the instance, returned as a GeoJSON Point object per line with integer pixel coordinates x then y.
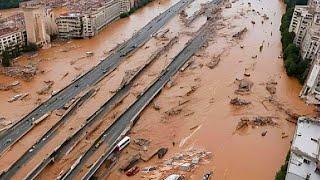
{"type": "Point", "coordinates": [8, 141]}
{"type": "Point", "coordinates": [174, 177]}
{"type": "Point", "coordinates": [134, 170]}
{"type": "Point", "coordinates": [123, 143]}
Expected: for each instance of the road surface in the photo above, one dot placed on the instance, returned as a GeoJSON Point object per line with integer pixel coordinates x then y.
{"type": "Point", "coordinates": [13, 134]}
{"type": "Point", "coordinates": [126, 120]}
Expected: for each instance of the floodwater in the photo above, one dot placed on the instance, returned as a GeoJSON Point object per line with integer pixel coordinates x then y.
{"type": "Point", "coordinates": [65, 61]}
{"type": "Point", "coordinates": [236, 155]}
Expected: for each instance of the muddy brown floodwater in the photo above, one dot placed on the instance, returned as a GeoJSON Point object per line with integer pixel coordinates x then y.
{"type": "Point", "coordinates": [65, 61]}
{"type": "Point", "coordinates": [208, 121]}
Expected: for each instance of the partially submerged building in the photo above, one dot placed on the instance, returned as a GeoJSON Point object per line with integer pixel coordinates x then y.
{"type": "Point", "coordinates": [87, 18]}
{"type": "Point", "coordinates": [311, 89]}
{"type": "Point", "coordinates": [39, 22]}
{"type": "Point", "coordinates": [301, 20]}
{"type": "Point", "coordinates": [12, 32]}
{"type": "Point", "coordinates": [304, 155]}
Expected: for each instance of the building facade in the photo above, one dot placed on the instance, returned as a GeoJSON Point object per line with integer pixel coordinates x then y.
{"type": "Point", "coordinates": [304, 155]}
{"type": "Point", "coordinates": [70, 25]}
{"type": "Point", "coordinates": [39, 22]}
{"type": "Point", "coordinates": [311, 42]}
{"type": "Point", "coordinates": [311, 89]}
{"type": "Point", "coordinates": [11, 38]}
{"type": "Point", "coordinates": [301, 20]}
{"type": "Point", "coordinates": [91, 18]}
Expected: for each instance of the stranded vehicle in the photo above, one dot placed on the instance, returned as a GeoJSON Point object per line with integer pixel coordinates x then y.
{"type": "Point", "coordinates": [123, 143]}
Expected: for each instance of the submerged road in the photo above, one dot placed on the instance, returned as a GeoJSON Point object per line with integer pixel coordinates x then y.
{"type": "Point", "coordinates": [13, 134]}
{"type": "Point", "coordinates": [126, 120]}
{"type": "Point", "coordinates": [73, 139]}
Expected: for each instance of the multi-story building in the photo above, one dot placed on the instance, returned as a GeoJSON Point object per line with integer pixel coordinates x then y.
{"type": "Point", "coordinates": [311, 89]}
{"type": "Point", "coordinates": [311, 42]}
{"type": "Point", "coordinates": [11, 38]}
{"type": "Point", "coordinates": [70, 25]}
{"type": "Point", "coordinates": [301, 20]}
{"type": "Point", "coordinates": [90, 17]}
{"type": "Point", "coordinates": [304, 161]}
{"type": "Point", "coordinates": [12, 32]}
{"type": "Point", "coordinates": [39, 22]}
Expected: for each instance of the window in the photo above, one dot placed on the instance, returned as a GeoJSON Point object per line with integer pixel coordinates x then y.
{"type": "Point", "coordinates": [306, 161]}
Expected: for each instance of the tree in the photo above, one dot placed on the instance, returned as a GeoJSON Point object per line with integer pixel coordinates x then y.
{"type": "Point", "coordinates": [5, 4]}
{"type": "Point", "coordinates": [291, 66]}
{"type": "Point", "coordinates": [291, 50]}
{"type": "Point", "coordinates": [287, 38]}
{"type": "Point", "coordinates": [6, 58]}
{"type": "Point", "coordinates": [32, 47]}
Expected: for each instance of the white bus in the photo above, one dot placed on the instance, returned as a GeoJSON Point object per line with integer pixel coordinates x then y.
{"type": "Point", "coordinates": [123, 143]}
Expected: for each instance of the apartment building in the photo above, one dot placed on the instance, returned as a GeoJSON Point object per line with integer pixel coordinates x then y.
{"type": "Point", "coordinates": [304, 155]}
{"type": "Point", "coordinates": [11, 38]}
{"type": "Point", "coordinates": [311, 42]}
{"type": "Point", "coordinates": [39, 22]}
{"type": "Point", "coordinates": [70, 25]}
{"type": "Point", "coordinates": [311, 89]}
{"type": "Point", "coordinates": [90, 17]}
{"type": "Point", "coordinates": [301, 20]}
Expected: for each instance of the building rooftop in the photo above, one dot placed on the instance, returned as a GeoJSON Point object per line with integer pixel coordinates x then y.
{"type": "Point", "coordinates": [305, 150]}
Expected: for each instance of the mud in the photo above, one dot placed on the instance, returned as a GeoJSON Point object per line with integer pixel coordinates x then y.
{"type": "Point", "coordinates": [211, 121]}
{"type": "Point", "coordinates": [65, 61]}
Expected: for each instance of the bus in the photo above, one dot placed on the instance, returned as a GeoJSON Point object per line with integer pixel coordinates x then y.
{"type": "Point", "coordinates": [123, 143]}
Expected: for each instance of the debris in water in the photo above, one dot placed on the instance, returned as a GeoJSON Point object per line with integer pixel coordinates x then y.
{"type": "Point", "coordinates": [131, 162]}
{"type": "Point", "coordinates": [162, 152]}
{"type": "Point", "coordinates": [46, 88]}
{"type": "Point", "coordinates": [244, 86]}
{"type": "Point", "coordinates": [239, 102]}
{"type": "Point", "coordinates": [174, 111]}
{"type": "Point", "coordinates": [240, 33]}
{"type": "Point", "coordinates": [133, 171]}
{"type": "Point", "coordinates": [207, 175]}
{"type": "Point", "coordinates": [264, 133]}
{"type": "Point", "coordinates": [256, 121]}
{"type": "Point", "coordinates": [156, 106]}
{"type": "Point", "coordinates": [15, 98]}
{"type": "Point", "coordinates": [271, 87]}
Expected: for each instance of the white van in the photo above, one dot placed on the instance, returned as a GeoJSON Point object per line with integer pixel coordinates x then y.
{"type": "Point", "coordinates": [123, 143]}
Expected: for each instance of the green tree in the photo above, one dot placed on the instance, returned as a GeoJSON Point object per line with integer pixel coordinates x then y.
{"type": "Point", "coordinates": [286, 39]}
{"type": "Point", "coordinates": [6, 58]}
{"type": "Point", "coordinates": [291, 50]}
{"type": "Point", "coordinates": [5, 4]}
{"type": "Point", "coordinates": [30, 47]}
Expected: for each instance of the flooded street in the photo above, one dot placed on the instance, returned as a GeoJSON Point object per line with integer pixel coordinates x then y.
{"type": "Point", "coordinates": [240, 61]}
{"type": "Point", "coordinates": [208, 121]}
{"type": "Point", "coordinates": [64, 62]}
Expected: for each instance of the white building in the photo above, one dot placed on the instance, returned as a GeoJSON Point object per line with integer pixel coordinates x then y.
{"type": "Point", "coordinates": [301, 20]}
{"type": "Point", "coordinates": [70, 25]}
{"type": "Point", "coordinates": [311, 42]}
{"type": "Point", "coordinates": [91, 18]}
{"type": "Point", "coordinates": [304, 155]}
{"type": "Point", "coordinates": [311, 89]}
{"type": "Point", "coordinates": [11, 38]}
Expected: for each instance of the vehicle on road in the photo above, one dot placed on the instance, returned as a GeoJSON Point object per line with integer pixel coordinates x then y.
{"type": "Point", "coordinates": [123, 143]}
